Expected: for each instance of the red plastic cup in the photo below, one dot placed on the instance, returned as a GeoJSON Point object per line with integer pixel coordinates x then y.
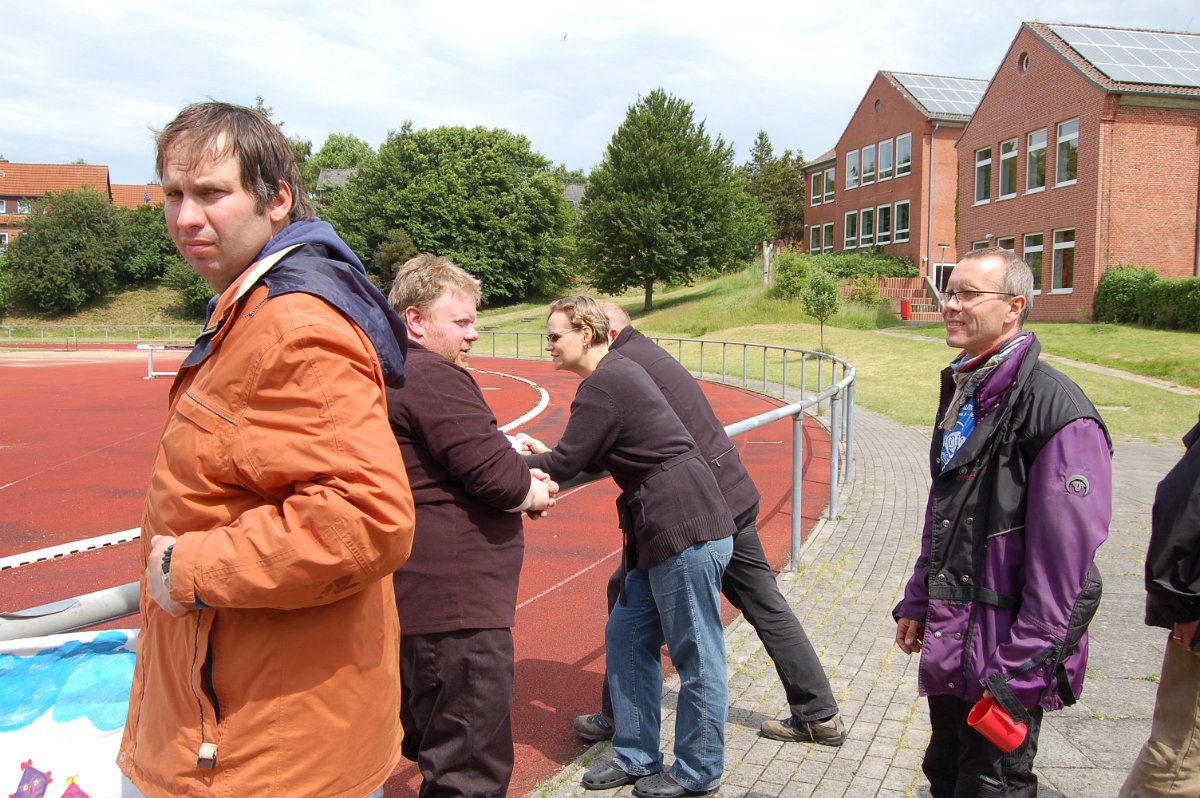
{"type": "Point", "coordinates": [989, 719]}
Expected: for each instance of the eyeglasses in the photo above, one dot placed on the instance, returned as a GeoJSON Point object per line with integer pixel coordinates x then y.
{"type": "Point", "coordinates": [553, 337]}
{"type": "Point", "coordinates": [969, 297]}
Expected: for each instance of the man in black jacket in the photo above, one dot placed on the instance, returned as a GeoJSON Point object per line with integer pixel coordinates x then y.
{"type": "Point", "coordinates": [1169, 762]}
{"type": "Point", "coordinates": [748, 583]}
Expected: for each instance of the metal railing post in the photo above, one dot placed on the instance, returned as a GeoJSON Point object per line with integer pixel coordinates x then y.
{"type": "Point", "coordinates": [848, 471]}
{"type": "Point", "coordinates": [834, 444]}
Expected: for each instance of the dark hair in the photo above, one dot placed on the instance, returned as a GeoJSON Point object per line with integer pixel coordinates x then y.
{"type": "Point", "coordinates": [264, 155]}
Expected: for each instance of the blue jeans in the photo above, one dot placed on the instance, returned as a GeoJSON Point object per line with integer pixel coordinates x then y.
{"type": "Point", "coordinates": [677, 602]}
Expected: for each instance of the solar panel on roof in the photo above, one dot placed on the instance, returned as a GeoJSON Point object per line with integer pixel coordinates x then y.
{"type": "Point", "coordinates": [1137, 56]}
{"type": "Point", "coordinates": [941, 95]}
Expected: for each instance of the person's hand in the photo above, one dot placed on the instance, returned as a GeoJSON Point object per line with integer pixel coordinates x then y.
{"type": "Point", "coordinates": [154, 576]}
{"type": "Point", "coordinates": [1183, 633]}
{"type": "Point", "coordinates": [531, 445]}
{"type": "Point", "coordinates": [543, 492]}
{"type": "Point", "coordinates": [909, 635]}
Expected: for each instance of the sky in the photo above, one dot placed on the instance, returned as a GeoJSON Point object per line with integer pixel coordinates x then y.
{"type": "Point", "coordinates": [91, 79]}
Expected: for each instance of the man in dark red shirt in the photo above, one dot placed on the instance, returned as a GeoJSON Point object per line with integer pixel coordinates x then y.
{"type": "Point", "coordinates": [457, 593]}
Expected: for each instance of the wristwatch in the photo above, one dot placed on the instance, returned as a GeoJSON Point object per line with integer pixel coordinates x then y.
{"type": "Point", "coordinates": [166, 568]}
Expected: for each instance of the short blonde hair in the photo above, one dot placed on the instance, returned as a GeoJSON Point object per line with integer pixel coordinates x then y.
{"type": "Point", "coordinates": [424, 278]}
{"type": "Point", "coordinates": [583, 312]}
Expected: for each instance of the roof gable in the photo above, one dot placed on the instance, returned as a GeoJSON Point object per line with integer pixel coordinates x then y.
{"type": "Point", "coordinates": [1128, 60]}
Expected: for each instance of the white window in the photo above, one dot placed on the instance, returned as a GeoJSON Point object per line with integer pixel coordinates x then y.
{"type": "Point", "coordinates": [1064, 262]}
{"type": "Point", "coordinates": [1032, 253]}
{"type": "Point", "coordinates": [866, 227]}
{"type": "Point", "coordinates": [3, 241]}
{"type": "Point", "coordinates": [885, 160]}
{"type": "Point", "coordinates": [1008, 169]}
{"type": "Point", "coordinates": [828, 238]}
{"type": "Point", "coordinates": [983, 175]}
{"type": "Point", "coordinates": [979, 244]}
{"type": "Point", "coordinates": [883, 224]}
{"type": "Point", "coordinates": [3, 206]}
{"type": "Point", "coordinates": [1008, 242]}
{"type": "Point", "coordinates": [903, 154]}
{"type": "Point", "coordinates": [1035, 161]}
{"type": "Point", "coordinates": [868, 164]}
{"type": "Point", "coordinates": [901, 219]}
{"type": "Point", "coordinates": [830, 176]}
{"type": "Point", "coordinates": [852, 169]}
{"type": "Point", "coordinates": [1066, 164]}
{"type": "Point", "coordinates": [814, 238]}
{"type": "Point", "coordinates": [22, 206]}
{"type": "Point", "coordinates": [850, 233]}
{"type": "Point", "coordinates": [818, 188]}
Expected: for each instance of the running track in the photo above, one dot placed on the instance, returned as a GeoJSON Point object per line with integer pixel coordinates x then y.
{"type": "Point", "coordinates": [78, 431]}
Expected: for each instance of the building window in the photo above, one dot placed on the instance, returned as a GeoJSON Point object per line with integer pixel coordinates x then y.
{"type": "Point", "coordinates": [903, 154]}
{"type": "Point", "coordinates": [883, 224]}
{"type": "Point", "coordinates": [828, 238]}
{"type": "Point", "coordinates": [885, 160]}
{"type": "Point", "coordinates": [850, 234]}
{"type": "Point", "coordinates": [22, 206]}
{"type": "Point", "coordinates": [1064, 261]}
{"type": "Point", "coordinates": [901, 219]}
{"type": "Point", "coordinates": [818, 188]}
{"type": "Point", "coordinates": [3, 241]}
{"type": "Point", "coordinates": [829, 180]}
{"type": "Point", "coordinates": [866, 227]}
{"type": "Point", "coordinates": [1008, 242]}
{"type": "Point", "coordinates": [983, 175]}
{"type": "Point", "coordinates": [1008, 168]}
{"type": "Point", "coordinates": [1035, 161]}
{"type": "Point", "coordinates": [814, 238]}
{"type": "Point", "coordinates": [3, 206]}
{"type": "Point", "coordinates": [852, 169]}
{"type": "Point", "coordinates": [1066, 164]}
{"type": "Point", "coordinates": [1032, 253]}
{"type": "Point", "coordinates": [868, 164]}
{"type": "Point", "coordinates": [979, 244]}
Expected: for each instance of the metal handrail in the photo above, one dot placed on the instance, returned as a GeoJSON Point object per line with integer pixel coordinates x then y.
{"type": "Point", "coordinates": [113, 603]}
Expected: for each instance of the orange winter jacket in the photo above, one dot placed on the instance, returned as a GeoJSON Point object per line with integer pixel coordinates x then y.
{"type": "Point", "coordinates": [278, 474]}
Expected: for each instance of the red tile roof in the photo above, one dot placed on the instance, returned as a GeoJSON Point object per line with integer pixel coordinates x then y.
{"type": "Point", "coordinates": [124, 196]}
{"type": "Point", "coordinates": [36, 179]}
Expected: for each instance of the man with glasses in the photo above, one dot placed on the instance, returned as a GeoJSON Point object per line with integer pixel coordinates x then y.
{"type": "Point", "coordinates": [1021, 498]}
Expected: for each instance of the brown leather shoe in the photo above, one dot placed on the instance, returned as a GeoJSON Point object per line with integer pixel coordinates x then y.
{"type": "Point", "coordinates": [790, 730]}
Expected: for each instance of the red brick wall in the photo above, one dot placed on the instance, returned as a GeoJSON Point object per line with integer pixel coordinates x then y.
{"type": "Point", "coordinates": [1135, 196]}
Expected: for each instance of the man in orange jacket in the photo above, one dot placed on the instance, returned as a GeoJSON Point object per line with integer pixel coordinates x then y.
{"type": "Point", "coordinates": [278, 504]}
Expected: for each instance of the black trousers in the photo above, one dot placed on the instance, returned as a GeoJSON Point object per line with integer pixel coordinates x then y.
{"type": "Point", "coordinates": [749, 584]}
{"type": "Point", "coordinates": [456, 709]}
{"type": "Point", "coordinates": [961, 763]}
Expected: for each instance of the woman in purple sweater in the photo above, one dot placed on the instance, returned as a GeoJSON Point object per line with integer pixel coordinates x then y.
{"type": "Point", "coordinates": [678, 541]}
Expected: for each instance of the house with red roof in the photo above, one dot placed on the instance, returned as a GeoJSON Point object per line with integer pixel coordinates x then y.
{"type": "Point", "coordinates": [21, 184]}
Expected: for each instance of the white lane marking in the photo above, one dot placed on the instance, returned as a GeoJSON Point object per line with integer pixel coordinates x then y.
{"type": "Point", "coordinates": [543, 401]}
{"type": "Point", "coordinates": [62, 550]}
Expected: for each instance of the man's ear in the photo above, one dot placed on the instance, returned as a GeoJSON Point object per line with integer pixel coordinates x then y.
{"type": "Point", "coordinates": [1016, 306]}
{"type": "Point", "coordinates": [414, 320]}
{"type": "Point", "coordinates": [280, 206]}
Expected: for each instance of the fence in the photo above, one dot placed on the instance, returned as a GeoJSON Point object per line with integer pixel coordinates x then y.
{"type": "Point", "coordinates": [75, 334]}
{"type": "Point", "coordinates": [786, 374]}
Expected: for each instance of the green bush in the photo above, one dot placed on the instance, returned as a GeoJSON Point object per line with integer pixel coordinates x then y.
{"type": "Point", "coordinates": [865, 290]}
{"type": "Point", "coordinates": [194, 290]}
{"type": "Point", "coordinates": [789, 274]}
{"type": "Point", "coordinates": [5, 291]}
{"type": "Point", "coordinates": [868, 262]}
{"type": "Point", "coordinates": [1122, 294]}
{"type": "Point", "coordinates": [1173, 304]}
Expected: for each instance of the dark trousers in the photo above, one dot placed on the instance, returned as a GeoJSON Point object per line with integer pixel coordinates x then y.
{"type": "Point", "coordinates": [456, 709]}
{"type": "Point", "coordinates": [961, 763]}
{"type": "Point", "coordinates": [749, 584]}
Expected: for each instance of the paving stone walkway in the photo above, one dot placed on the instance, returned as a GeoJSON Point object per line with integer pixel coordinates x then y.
{"type": "Point", "coordinates": [850, 575]}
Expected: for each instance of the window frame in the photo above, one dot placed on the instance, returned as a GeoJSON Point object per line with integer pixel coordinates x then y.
{"type": "Point", "coordinates": [1056, 267]}
{"type": "Point", "coordinates": [907, 163]}
{"type": "Point", "coordinates": [815, 197]}
{"type": "Point", "coordinates": [866, 219]}
{"type": "Point", "coordinates": [852, 169]}
{"type": "Point", "coordinates": [830, 183]}
{"type": "Point", "coordinates": [879, 227]}
{"type": "Point", "coordinates": [866, 178]}
{"type": "Point", "coordinates": [891, 160]}
{"type": "Point", "coordinates": [1008, 163]}
{"type": "Point", "coordinates": [983, 164]}
{"type": "Point", "coordinates": [849, 226]}
{"type": "Point", "coordinates": [3, 206]}
{"type": "Point", "coordinates": [1071, 140]}
{"type": "Point", "coordinates": [896, 229]}
{"type": "Point", "coordinates": [813, 237]}
{"type": "Point", "coordinates": [1039, 248]}
{"type": "Point", "coordinates": [827, 237]}
{"type": "Point", "coordinates": [1032, 151]}
{"type": "Point", "coordinates": [1012, 243]}
{"type": "Point", "coordinates": [23, 207]}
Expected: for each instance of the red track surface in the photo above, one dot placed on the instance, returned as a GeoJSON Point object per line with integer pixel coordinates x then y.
{"type": "Point", "coordinates": [78, 431]}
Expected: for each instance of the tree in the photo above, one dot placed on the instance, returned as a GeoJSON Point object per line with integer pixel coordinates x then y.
{"type": "Point", "coordinates": [666, 203]}
{"type": "Point", "coordinates": [146, 246]}
{"type": "Point", "coordinates": [778, 183]}
{"type": "Point", "coordinates": [194, 291]}
{"type": "Point", "coordinates": [820, 298]}
{"type": "Point", "coordinates": [392, 253]}
{"type": "Point", "coordinates": [482, 198]}
{"type": "Point", "coordinates": [67, 252]}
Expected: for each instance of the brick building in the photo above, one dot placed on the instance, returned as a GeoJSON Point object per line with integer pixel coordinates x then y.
{"type": "Point", "coordinates": [1084, 154]}
{"type": "Point", "coordinates": [891, 180]}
